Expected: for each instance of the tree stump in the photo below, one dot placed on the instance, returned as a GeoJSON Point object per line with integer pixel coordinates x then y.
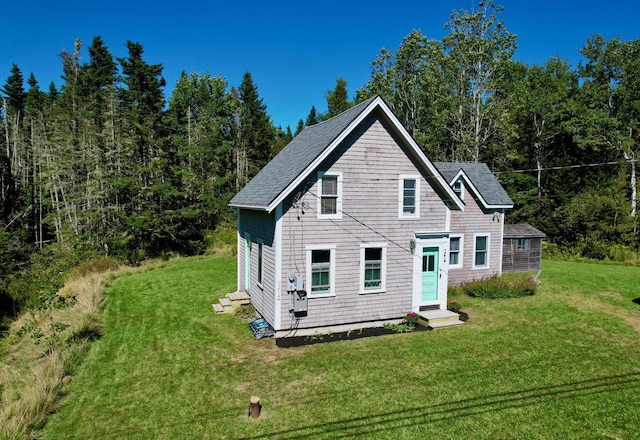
{"type": "Point", "coordinates": [254, 407]}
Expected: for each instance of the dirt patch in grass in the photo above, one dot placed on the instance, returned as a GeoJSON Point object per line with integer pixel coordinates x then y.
{"type": "Point", "coordinates": [594, 304]}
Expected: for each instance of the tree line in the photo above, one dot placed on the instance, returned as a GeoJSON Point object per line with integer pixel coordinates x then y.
{"type": "Point", "coordinates": [106, 163]}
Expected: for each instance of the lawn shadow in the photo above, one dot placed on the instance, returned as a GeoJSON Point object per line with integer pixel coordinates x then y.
{"type": "Point", "coordinates": [384, 421]}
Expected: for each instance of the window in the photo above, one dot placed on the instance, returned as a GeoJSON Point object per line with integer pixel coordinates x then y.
{"type": "Point", "coordinates": [409, 197]}
{"type": "Point", "coordinates": [321, 270]}
{"type": "Point", "coordinates": [457, 188]}
{"type": "Point", "coordinates": [521, 245]}
{"type": "Point", "coordinates": [260, 263]}
{"type": "Point", "coordinates": [455, 251]}
{"type": "Point", "coordinates": [481, 251]}
{"type": "Point", "coordinates": [330, 195]}
{"type": "Point", "coordinates": [373, 268]}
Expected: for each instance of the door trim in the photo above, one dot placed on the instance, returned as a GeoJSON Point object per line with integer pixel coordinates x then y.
{"type": "Point", "coordinates": [441, 242]}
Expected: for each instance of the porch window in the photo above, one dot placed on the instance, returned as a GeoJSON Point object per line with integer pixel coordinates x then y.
{"type": "Point", "coordinates": [321, 270]}
{"type": "Point", "coordinates": [329, 197]}
{"type": "Point", "coordinates": [455, 251]}
{"type": "Point", "coordinates": [481, 259]}
{"type": "Point", "coordinates": [409, 197]}
{"type": "Point", "coordinates": [373, 267]}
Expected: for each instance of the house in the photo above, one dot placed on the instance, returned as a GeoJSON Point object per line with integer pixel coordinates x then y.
{"type": "Point", "coordinates": [522, 246]}
{"type": "Point", "coordinates": [351, 226]}
{"type": "Point", "coordinates": [475, 242]}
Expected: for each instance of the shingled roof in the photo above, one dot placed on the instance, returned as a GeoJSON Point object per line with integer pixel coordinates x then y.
{"type": "Point", "coordinates": [307, 150]}
{"type": "Point", "coordinates": [282, 170]}
{"type": "Point", "coordinates": [482, 180]}
{"type": "Point", "coordinates": [522, 230]}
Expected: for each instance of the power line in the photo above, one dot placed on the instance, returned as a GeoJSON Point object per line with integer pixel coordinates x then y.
{"type": "Point", "coordinates": [565, 167]}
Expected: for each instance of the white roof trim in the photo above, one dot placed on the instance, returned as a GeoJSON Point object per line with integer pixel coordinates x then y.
{"type": "Point", "coordinates": [378, 101]}
{"type": "Point", "coordinates": [486, 205]}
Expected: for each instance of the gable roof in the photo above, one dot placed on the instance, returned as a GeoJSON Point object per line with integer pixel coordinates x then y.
{"type": "Point", "coordinates": [481, 181]}
{"type": "Point", "coordinates": [522, 231]}
{"type": "Point", "coordinates": [310, 147]}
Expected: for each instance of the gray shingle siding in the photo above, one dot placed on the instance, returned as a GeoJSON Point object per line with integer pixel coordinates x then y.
{"type": "Point", "coordinates": [294, 159]}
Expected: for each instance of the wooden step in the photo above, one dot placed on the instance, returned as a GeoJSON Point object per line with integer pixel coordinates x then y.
{"type": "Point", "coordinates": [239, 298]}
{"type": "Point", "coordinates": [444, 324]}
{"type": "Point", "coordinates": [217, 308]}
{"type": "Point", "coordinates": [437, 319]}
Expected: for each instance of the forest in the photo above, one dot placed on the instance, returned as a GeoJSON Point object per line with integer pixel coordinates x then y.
{"type": "Point", "coordinates": [106, 165]}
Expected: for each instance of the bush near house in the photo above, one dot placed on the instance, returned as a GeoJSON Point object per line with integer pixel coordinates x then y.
{"type": "Point", "coordinates": [516, 286]}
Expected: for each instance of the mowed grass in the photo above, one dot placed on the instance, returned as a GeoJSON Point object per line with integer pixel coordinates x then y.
{"type": "Point", "coordinates": [564, 363]}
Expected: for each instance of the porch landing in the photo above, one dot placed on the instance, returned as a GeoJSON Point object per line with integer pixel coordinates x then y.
{"type": "Point", "coordinates": [438, 319]}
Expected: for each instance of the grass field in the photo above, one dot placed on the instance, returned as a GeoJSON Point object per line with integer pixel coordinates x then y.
{"type": "Point", "coordinates": [563, 363]}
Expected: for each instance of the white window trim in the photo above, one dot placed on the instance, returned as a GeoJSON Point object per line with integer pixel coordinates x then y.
{"type": "Point", "coordinates": [459, 181]}
{"type": "Point", "coordinates": [488, 251]}
{"type": "Point", "coordinates": [260, 264]}
{"type": "Point", "coordinates": [401, 213]}
{"type": "Point", "coordinates": [460, 264]}
{"type": "Point", "coordinates": [338, 214]}
{"type": "Point", "coordinates": [332, 268]}
{"type": "Point", "coordinates": [383, 268]}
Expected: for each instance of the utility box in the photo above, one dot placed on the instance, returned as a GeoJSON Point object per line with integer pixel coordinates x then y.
{"type": "Point", "coordinates": [300, 304]}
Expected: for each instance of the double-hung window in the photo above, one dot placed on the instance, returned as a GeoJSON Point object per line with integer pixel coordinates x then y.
{"type": "Point", "coordinates": [409, 197]}
{"type": "Point", "coordinates": [373, 268]}
{"type": "Point", "coordinates": [330, 195]}
{"type": "Point", "coordinates": [455, 251]}
{"type": "Point", "coordinates": [321, 270]}
{"type": "Point", "coordinates": [481, 252]}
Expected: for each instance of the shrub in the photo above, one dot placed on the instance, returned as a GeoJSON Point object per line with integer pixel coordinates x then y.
{"type": "Point", "coordinates": [501, 287]}
{"type": "Point", "coordinates": [399, 328]}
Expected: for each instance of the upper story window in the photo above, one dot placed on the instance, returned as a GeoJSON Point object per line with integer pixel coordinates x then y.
{"type": "Point", "coordinates": [409, 197]}
{"type": "Point", "coordinates": [457, 188]}
{"type": "Point", "coordinates": [330, 195]}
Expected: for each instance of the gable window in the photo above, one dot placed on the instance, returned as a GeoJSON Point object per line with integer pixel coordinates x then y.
{"type": "Point", "coordinates": [373, 268]}
{"type": "Point", "coordinates": [330, 195]}
{"type": "Point", "coordinates": [481, 251]}
{"type": "Point", "coordinates": [457, 188]}
{"type": "Point", "coordinates": [260, 263]}
{"type": "Point", "coordinates": [409, 197]}
{"type": "Point", "coordinates": [455, 251]}
{"type": "Point", "coordinates": [321, 270]}
{"type": "Point", "coordinates": [521, 244]}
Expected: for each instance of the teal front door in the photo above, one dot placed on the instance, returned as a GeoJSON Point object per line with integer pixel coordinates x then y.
{"type": "Point", "coordinates": [429, 274]}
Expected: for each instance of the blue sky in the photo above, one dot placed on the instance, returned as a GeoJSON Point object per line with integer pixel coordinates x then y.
{"type": "Point", "coordinates": [294, 50]}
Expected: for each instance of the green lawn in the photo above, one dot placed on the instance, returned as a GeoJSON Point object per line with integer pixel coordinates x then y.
{"type": "Point", "coordinates": [564, 363]}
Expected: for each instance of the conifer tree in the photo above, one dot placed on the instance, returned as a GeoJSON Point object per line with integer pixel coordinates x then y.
{"type": "Point", "coordinates": [257, 134]}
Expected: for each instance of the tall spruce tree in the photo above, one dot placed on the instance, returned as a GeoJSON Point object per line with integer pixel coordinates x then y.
{"type": "Point", "coordinates": [256, 132]}
{"type": "Point", "coordinates": [337, 99]}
